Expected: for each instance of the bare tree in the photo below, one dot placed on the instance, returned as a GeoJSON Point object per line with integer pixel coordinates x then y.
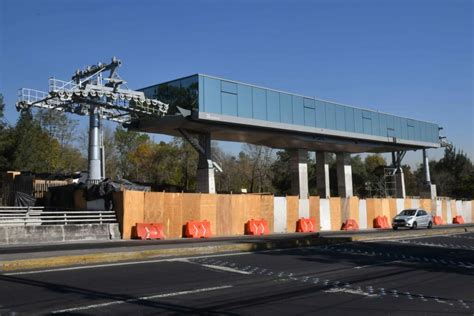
{"type": "Point", "coordinates": [256, 163]}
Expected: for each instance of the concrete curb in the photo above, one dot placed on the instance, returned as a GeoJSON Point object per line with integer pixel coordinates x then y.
{"type": "Point", "coordinates": [69, 260]}
{"type": "Point", "coordinates": [415, 233]}
{"type": "Point", "coordinates": [109, 257]}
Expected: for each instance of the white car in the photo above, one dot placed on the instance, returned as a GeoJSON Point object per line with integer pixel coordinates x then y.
{"type": "Point", "coordinates": [413, 218]}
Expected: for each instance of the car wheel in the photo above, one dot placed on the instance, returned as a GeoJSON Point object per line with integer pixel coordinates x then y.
{"type": "Point", "coordinates": [414, 226]}
{"type": "Point", "coordinates": [430, 225]}
{"type": "Point", "coordinates": [395, 227]}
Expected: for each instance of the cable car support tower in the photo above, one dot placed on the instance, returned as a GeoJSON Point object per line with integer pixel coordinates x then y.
{"type": "Point", "coordinates": [100, 96]}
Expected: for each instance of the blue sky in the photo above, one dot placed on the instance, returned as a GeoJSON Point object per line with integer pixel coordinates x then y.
{"type": "Point", "coordinates": [411, 58]}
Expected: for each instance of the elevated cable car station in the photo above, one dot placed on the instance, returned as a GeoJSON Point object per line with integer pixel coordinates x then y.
{"type": "Point", "coordinates": [201, 108]}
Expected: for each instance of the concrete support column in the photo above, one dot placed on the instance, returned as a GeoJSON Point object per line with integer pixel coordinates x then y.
{"type": "Point", "coordinates": [427, 190]}
{"type": "Point", "coordinates": [400, 184]}
{"type": "Point", "coordinates": [205, 182]}
{"type": "Point", "coordinates": [426, 167]}
{"type": "Point", "coordinates": [399, 176]}
{"type": "Point", "coordinates": [344, 174]}
{"type": "Point", "coordinates": [322, 174]}
{"type": "Point", "coordinates": [299, 173]}
{"type": "Point", "coordinates": [94, 157]}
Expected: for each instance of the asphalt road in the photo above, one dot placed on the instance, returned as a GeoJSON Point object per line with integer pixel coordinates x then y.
{"type": "Point", "coordinates": [424, 276]}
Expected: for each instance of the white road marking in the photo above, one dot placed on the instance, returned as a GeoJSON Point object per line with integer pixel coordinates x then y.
{"type": "Point", "coordinates": [118, 264]}
{"type": "Point", "coordinates": [350, 291]}
{"type": "Point", "coordinates": [215, 267]}
{"type": "Point", "coordinates": [144, 298]}
{"type": "Point", "coordinates": [376, 264]}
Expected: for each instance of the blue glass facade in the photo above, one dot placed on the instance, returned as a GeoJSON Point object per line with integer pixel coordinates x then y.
{"type": "Point", "coordinates": [233, 99]}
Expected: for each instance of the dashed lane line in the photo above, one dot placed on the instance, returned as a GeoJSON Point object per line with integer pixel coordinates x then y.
{"type": "Point", "coordinates": [431, 244]}
{"type": "Point", "coordinates": [377, 264]}
{"type": "Point", "coordinates": [424, 260]}
{"type": "Point", "coordinates": [216, 267]}
{"type": "Point", "coordinates": [338, 286]}
{"type": "Point", "coordinates": [143, 298]}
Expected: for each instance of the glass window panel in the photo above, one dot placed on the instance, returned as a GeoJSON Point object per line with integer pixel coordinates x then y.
{"type": "Point", "coordinates": [229, 104]}
{"type": "Point", "coordinates": [309, 116]}
{"type": "Point", "coordinates": [320, 114]}
{"type": "Point", "coordinates": [286, 108]}
{"type": "Point", "coordinates": [244, 100]}
{"type": "Point", "coordinates": [298, 110]}
{"type": "Point", "coordinates": [330, 115]}
{"type": "Point", "coordinates": [212, 95]}
{"type": "Point", "coordinates": [273, 106]}
{"type": "Point", "coordinates": [229, 87]}
{"type": "Point", "coordinates": [340, 118]}
{"type": "Point", "coordinates": [182, 92]}
{"type": "Point", "coordinates": [259, 103]}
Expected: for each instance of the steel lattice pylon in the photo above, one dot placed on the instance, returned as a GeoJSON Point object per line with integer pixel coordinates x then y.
{"type": "Point", "coordinates": [91, 93]}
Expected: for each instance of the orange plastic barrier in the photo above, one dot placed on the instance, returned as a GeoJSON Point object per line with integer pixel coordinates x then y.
{"type": "Point", "coordinates": [381, 222]}
{"type": "Point", "coordinates": [197, 229]}
{"type": "Point", "coordinates": [149, 231]}
{"type": "Point", "coordinates": [437, 220]}
{"type": "Point", "coordinates": [256, 227]}
{"type": "Point", "coordinates": [458, 220]}
{"type": "Point", "coordinates": [350, 224]}
{"type": "Point", "coordinates": [306, 225]}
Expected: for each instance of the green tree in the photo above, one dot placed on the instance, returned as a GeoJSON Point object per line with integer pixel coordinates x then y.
{"type": "Point", "coordinates": [187, 160]}
{"type": "Point", "coordinates": [411, 183]}
{"type": "Point", "coordinates": [34, 150]}
{"type": "Point", "coordinates": [125, 143]}
{"type": "Point", "coordinates": [111, 160]}
{"type": "Point", "coordinates": [2, 109]}
{"type": "Point", "coordinates": [374, 166]}
{"type": "Point", "coordinates": [6, 140]}
{"type": "Point", "coordinates": [58, 125]}
{"type": "Point", "coordinates": [359, 175]}
{"type": "Point", "coordinates": [453, 174]}
{"type": "Point", "coordinates": [281, 172]}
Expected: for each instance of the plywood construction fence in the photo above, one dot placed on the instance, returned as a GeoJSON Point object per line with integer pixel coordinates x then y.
{"type": "Point", "coordinates": [444, 211]}
{"type": "Point", "coordinates": [314, 210]}
{"type": "Point", "coordinates": [336, 213]}
{"type": "Point", "coordinates": [228, 213]}
{"type": "Point", "coordinates": [292, 214]}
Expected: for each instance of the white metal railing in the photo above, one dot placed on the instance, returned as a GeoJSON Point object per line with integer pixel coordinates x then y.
{"type": "Point", "coordinates": [31, 95]}
{"type": "Point", "coordinates": [34, 215]}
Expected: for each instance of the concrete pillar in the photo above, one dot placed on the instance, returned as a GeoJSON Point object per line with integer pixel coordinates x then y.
{"type": "Point", "coordinates": [322, 174]}
{"type": "Point", "coordinates": [94, 157]}
{"type": "Point", "coordinates": [400, 184]}
{"type": "Point", "coordinates": [299, 173]}
{"type": "Point", "coordinates": [426, 167]}
{"type": "Point", "coordinates": [344, 174]}
{"type": "Point", "coordinates": [399, 176]}
{"type": "Point", "coordinates": [205, 182]}
{"type": "Point", "coordinates": [427, 190]}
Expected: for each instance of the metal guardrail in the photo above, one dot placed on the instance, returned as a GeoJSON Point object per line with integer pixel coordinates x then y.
{"type": "Point", "coordinates": [34, 215]}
